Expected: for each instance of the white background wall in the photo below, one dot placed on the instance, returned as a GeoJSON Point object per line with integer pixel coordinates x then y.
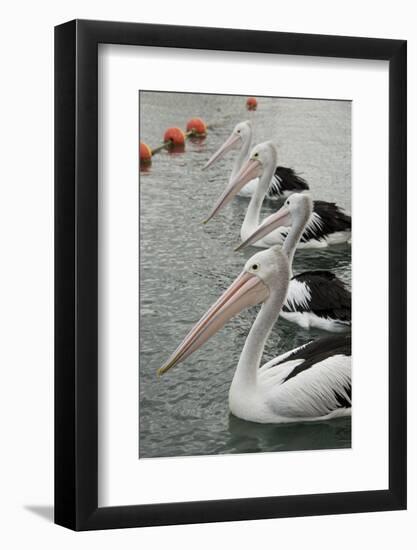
{"type": "Point", "coordinates": [26, 272]}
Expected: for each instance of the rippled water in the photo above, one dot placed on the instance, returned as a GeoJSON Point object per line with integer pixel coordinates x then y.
{"type": "Point", "coordinates": [184, 267]}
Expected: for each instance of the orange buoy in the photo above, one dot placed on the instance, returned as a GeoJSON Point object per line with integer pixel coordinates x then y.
{"type": "Point", "coordinates": [251, 103]}
{"type": "Point", "coordinates": [175, 137]}
{"type": "Point", "coordinates": [197, 126]}
{"type": "Point", "coordinates": [145, 153]}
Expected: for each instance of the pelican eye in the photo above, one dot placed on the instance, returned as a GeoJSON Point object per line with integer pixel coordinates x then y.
{"type": "Point", "coordinates": [238, 131]}
{"type": "Point", "coordinates": [255, 267]}
{"type": "Point", "coordinates": [256, 155]}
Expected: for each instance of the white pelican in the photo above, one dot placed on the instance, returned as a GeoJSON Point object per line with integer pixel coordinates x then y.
{"type": "Point", "coordinates": [284, 180]}
{"type": "Point", "coordinates": [327, 224]}
{"type": "Point", "coordinates": [315, 298]}
{"type": "Point", "coordinates": [309, 383]}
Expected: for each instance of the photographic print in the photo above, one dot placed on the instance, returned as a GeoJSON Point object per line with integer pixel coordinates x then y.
{"type": "Point", "coordinates": [244, 274]}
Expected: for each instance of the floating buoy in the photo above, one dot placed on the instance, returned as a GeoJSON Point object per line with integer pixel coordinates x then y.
{"type": "Point", "coordinates": [197, 127]}
{"type": "Point", "coordinates": [174, 141]}
{"type": "Point", "coordinates": [145, 153]}
{"type": "Point", "coordinates": [174, 137]}
{"type": "Point", "coordinates": [251, 103]}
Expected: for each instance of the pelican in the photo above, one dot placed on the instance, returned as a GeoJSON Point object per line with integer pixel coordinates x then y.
{"type": "Point", "coordinates": [309, 383]}
{"type": "Point", "coordinates": [315, 298]}
{"type": "Point", "coordinates": [284, 181]}
{"type": "Point", "coordinates": [327, 224]}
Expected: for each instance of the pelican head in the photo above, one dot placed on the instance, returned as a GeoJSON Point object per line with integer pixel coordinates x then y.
{"type": "Point", "coordinates": [297, 209]}
{"type": "Point", "coordinates": [266, 273]}
{"type": "Point", "coordinates": [263, 159]}
{"type": "Point", "coordinates": [242, 134]}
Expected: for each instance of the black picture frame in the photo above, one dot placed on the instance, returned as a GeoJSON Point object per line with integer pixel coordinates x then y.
{"type": "Point", "coordinates": [76, 274]}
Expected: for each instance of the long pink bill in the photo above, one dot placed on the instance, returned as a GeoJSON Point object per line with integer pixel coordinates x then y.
{"type": "Point", "coordinates": [250, 170]}
{"type": "Point", "coordinates": [247, 290]}
{"type": "Point", "coordinates": [281, 218]}
{"type": "Point", "coordinates": [228, 145]}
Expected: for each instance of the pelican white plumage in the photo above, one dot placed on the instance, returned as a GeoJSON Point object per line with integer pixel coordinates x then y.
{"type": "Point", "coordinates": [315, 298]}
{"type": "Point", "coordinates": [309, 383]}
{"type": "Point", "coordinates": [284, 181]}
{"type": "Point", "coordinates": [327, 224]}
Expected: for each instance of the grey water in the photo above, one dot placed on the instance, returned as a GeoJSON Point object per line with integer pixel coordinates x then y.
{"type": "Point", "coordinates": [185, 266]}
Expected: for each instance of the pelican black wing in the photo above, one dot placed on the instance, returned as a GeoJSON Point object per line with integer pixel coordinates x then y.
{"type": "Point", "coordinates": [285, 180]}
{"type": "Point", "coordinates": [329, 297]}
{"type": "Point", "coordinates": [319, 350]}
{"type": "Point", "coordinates": [327, 218]}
